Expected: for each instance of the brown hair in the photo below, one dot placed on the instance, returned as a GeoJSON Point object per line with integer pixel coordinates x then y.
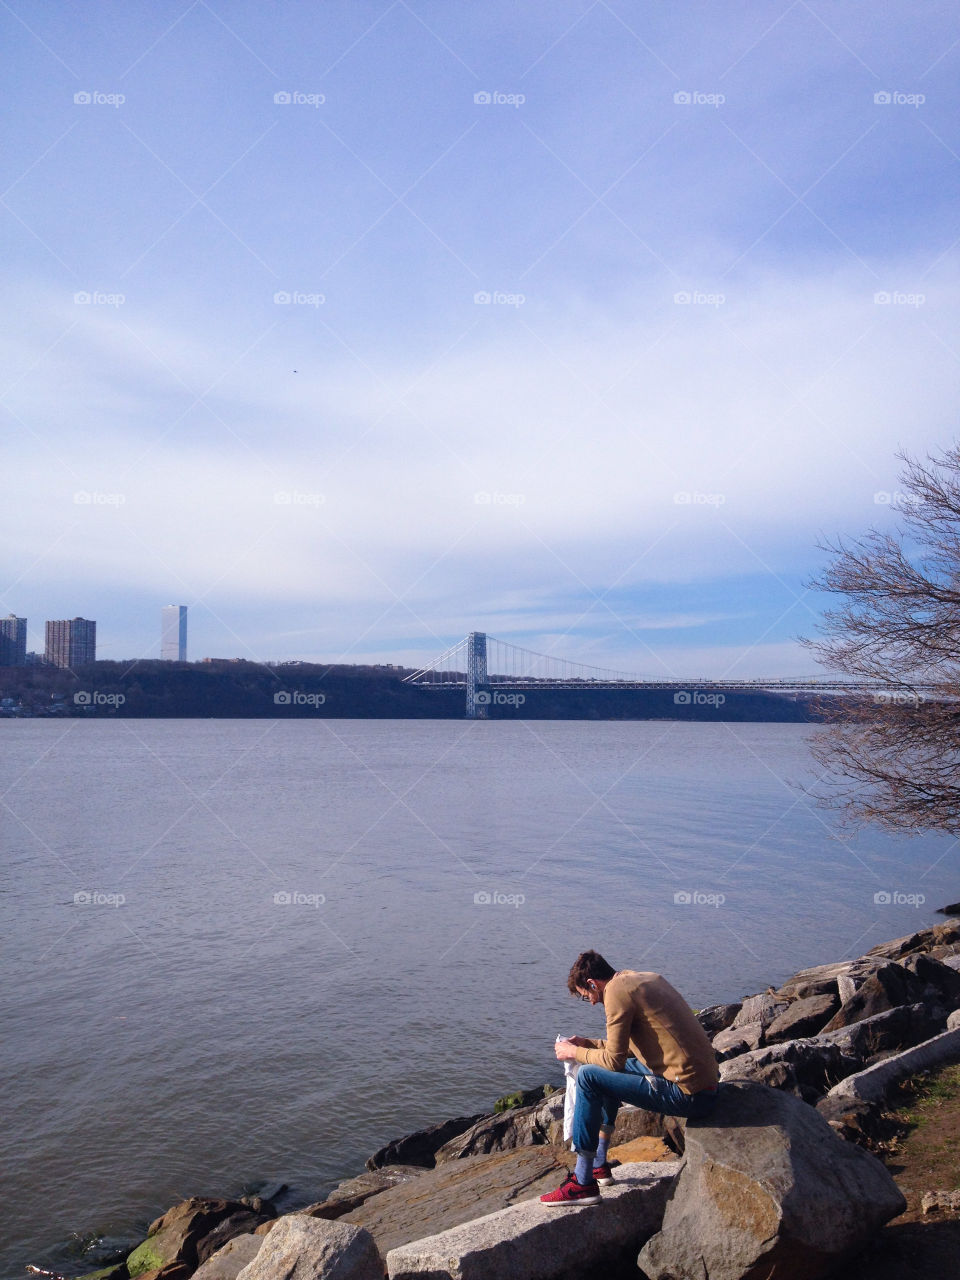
{"type": "Point", "coordinates": [588, 965]}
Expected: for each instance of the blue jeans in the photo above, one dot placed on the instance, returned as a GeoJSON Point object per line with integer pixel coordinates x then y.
{"type": "Point", "coordinates": [600, 1093]}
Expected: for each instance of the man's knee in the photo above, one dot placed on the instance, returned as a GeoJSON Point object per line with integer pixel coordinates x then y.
{"type": "Point", "coordinates": [587, 1079]}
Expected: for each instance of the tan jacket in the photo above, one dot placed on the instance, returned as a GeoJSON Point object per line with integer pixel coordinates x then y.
{"type": "Point", "coordinates": [650, 1020]}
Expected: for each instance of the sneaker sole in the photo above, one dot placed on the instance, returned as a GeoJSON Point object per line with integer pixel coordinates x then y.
{"type": "Point", "coordinates": [570, 1204]}
{"type": "Point", "coordinates": [605, 1182]}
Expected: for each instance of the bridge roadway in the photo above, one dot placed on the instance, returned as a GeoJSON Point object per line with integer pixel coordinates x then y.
{"type": "Point", "coordinates": [806, 686]}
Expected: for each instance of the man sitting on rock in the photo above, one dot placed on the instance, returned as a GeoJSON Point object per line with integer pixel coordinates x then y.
{"type": "Point", "coordinates": [655, 1055]}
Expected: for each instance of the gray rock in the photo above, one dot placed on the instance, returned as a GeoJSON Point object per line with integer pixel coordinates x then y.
{"type": "Point", "coordinates": [816, 1065]}
{"type": "Point", "coordinates": [532, 1242]}
{"type": "Point", "coordinates": [763, 1009]}
{"type": "Point", "coordinates": [951, 962]}
{"type": "Point", "coordinates": [802, 1018]}
{"type": "Point", "coordinates": [768, 1189]}
{"type": "Point", "coordinates": [953, 1022]}
{"type": "Point", "coordinates": [242, 1222]}
{"type": "Point", "coordinates": [229, 1261]}
{"type": "Point", "coordinates": [819, 980]}
{"type": "Point", "coordinates": [421, 1147]}
{"type": "Point", "coordinates": [303, 1248]}
{"type": "Point", "coordinates": [734, 1041]}
{"type": "Point", "coordinates": [891, 985]}
{"type": "Point", "coordinates": [519, 1127]}
{"type": "Point", "coordinates": [717, 1017]}
{"type": "Point", "coordinates": [941, 979]}
{"type": "Point", "coordinates": [874, 1083]}
{"type": "Point", "coordinates": [352, 1193]}
{"type": "Point", "coordinates": [459, 1190]}
{"type": "Point", "coordinates": [895, 1029]}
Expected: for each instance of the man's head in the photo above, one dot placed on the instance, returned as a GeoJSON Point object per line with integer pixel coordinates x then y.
{"type": "Point", "coordinates": [589, 975]}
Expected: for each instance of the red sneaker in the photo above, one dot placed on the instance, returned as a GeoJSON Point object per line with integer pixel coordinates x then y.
{"type": "Point", "coordinates": [571, 1192]}
{"type": "Point", "coordinates": [603, 1173]}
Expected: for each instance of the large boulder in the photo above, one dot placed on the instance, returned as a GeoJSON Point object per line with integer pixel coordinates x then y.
{"type": "Point", "coordinates": [528, 1126]}
{"type": "Point", "coordinates": [529, 1241]}
{"type": "Point", "coordinates": [767, 1189]}
{"type": "Point", "coordinates": [942, 981]}
{"type": "Point", "coordinates": [891, 985]}
{"type": "Point", "coordinates": [173, 1237]}
{"type": "Point", "coordinates": [815, 1066]}
{"type": "Point", "coordinates": [459, 1190]}
{"type": "Point", "coordinates": [352, 1193]}
{"type": "Point", "coordinates": [229, 1261]}
{"type": "Point", "coordinates": [421, 1147]}
{"type": "Point", "coordinates": [762, 1008]}
{"type": "Point", "coordinates": [717, 1017]}
{"type": "Point", "coordinates": [803, 1017]}
{"type": "Point", "coordinates": [302, 1248]}
{"type": "Point", "coordinates": [734, 1040]}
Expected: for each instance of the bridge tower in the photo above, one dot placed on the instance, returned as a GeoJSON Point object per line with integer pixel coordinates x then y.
{"type": "Point", "coordinates": [476, 673]}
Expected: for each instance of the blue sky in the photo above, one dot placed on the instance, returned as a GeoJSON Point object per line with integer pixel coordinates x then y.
{"type": "Point", "coordinates": [579, 324]}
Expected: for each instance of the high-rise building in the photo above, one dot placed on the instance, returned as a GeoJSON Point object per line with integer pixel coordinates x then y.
{"type": "Point", "coordinates": [13, 641]}
{"type": "Point", "coordinates": [173, 633]}
{"type": "Point", "coordinates": [71, 642]}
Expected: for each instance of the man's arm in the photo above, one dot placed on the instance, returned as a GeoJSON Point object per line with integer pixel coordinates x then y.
{"type": "Point", "coordinates": [612, 1052]}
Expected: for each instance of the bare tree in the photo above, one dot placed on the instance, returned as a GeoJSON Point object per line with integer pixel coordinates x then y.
{"type": "Point", "coordinates": [894, 753]}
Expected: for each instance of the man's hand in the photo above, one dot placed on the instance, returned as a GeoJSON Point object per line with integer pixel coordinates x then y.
{"type": "Point", "coordinates": [566, 1050]}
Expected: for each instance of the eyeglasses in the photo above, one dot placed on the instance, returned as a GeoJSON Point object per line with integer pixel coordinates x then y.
{"type": "Point", "coordinates": [581, 997]}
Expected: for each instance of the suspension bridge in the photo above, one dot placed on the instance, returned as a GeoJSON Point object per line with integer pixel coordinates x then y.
{"type": "Point", "coordinates": [484, 667]}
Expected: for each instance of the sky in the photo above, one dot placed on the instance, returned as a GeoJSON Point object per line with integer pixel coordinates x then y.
{"type": "Point", "coordinates": [356, 327]}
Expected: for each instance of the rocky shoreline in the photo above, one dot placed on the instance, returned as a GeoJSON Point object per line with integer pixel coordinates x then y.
{"type": "Point", "coordinates": [836, 1038]}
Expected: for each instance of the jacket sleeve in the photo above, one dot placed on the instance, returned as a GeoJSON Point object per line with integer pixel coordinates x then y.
{"type": "Point", "coordinates": [613, 1052]}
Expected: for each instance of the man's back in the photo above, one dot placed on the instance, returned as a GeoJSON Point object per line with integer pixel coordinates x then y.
{"type": "Point", "coordinates": [648, 1017]}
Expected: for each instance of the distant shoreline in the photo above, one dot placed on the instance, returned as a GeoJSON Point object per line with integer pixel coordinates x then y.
{"type": "Point", "coordinates": [252, 690]}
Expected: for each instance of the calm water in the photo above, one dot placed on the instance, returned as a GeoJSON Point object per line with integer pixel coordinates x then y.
{"type": "Point", "coordinates": [200, 1035]}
